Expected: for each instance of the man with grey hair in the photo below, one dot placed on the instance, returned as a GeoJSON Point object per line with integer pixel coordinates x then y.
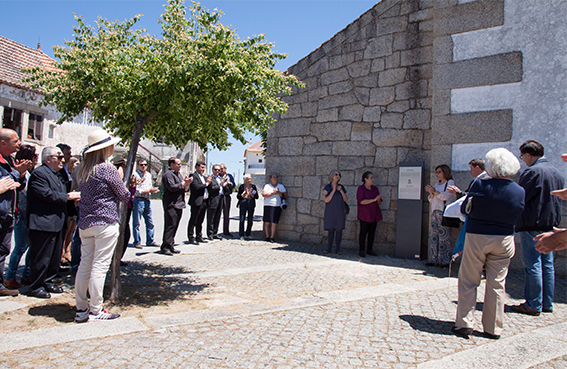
{"type": "Point", "coordinates": [9, 144]}
{"type": "Point", "coordinates": [47, 205]}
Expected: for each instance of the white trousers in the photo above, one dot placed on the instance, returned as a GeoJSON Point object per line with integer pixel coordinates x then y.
{"type": "Point", "coordinates": [97, 248]}
{"type": "Point", "coordinates": [495, 253]}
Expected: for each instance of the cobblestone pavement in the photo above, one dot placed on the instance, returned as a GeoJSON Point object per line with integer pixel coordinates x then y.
{"type": "Point", "coordinates": [288, 306]}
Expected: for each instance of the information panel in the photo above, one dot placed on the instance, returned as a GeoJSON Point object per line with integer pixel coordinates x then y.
{"type": "Point", "coordinates": [409, 183]}
{"type": "Point", "coordinates": [410, 210]}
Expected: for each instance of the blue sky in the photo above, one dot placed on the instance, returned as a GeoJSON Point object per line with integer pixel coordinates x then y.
{"type": "Point", "coordinates": [295, 27]}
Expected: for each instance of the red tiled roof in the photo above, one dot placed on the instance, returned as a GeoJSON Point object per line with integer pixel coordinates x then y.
{"type": "Point", "coordinates": [15, 56]}
{"type": "Point", "coordinates": [257, 147]}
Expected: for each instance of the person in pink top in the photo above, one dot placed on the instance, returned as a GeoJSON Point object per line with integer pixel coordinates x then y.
{"type": "Point", "coordinates": [368, 199]}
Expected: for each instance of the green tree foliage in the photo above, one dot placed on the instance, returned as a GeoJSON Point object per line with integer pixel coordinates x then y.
{"type": "Point", "coordinates": [197, 82]}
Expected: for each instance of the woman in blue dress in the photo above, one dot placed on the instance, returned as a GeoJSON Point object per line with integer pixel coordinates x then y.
{"type": "Point", "coordinates": [334, 219]}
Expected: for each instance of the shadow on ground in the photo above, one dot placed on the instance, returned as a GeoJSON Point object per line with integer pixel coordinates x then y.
{"type": "Point", "coordinates": [147, 285]}
{"type": "Point", "coordinates": [424, 324]}
{"type": "Point", "coordinates": [381, 259]}
{"type": "Point", "coordinates": [61, 312]}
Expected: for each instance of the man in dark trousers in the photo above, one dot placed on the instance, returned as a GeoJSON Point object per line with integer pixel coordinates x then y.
{"type": "Point", "coordinates": [47, 204]}
{"type": "Point", "coordinates": [174, 188]}
{"type": "Point", "coordinates": [214, 206]}
{"type": "Point", "coordinates": [226, 192]}
{"type": "Point", "coordinates": [541, 213]}
{"type": "Point", "coordinates": [198, 202]}
{"type": "Point", "coordinates": [15, 172]}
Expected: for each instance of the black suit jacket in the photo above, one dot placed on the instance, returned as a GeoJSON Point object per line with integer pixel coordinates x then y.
{"type": "Point", "coordinates": [173, 190]}
{"type": "Point", "coordinates": [197, 188]}
{"type": "Point", "coordinates": [47, 200]}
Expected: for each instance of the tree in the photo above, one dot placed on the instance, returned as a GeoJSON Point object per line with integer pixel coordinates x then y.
{"type": "Point", "coordinates": [197, 82]}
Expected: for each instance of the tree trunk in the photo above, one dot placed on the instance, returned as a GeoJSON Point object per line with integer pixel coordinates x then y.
{"type": "Point", "coordinates": [115, 283]}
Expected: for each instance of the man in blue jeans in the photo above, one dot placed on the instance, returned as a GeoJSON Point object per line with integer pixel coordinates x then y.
{"type": "Point", "coordinates": [541, 213]}
{"type": "Point", "coordinates": [142, 205]}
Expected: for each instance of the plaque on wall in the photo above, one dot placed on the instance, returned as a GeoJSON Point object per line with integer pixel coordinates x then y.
{"type": "Point", "coordinates": [409, 183]}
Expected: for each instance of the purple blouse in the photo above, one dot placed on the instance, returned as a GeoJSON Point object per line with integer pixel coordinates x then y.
{"type": "Point", "coordinates": [99, 197]}
{"type": "Point", "coordinates": [370, 212]}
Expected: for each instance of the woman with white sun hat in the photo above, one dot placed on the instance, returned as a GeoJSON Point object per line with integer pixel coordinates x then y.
{"type": "Point", "coordinates": [101, 189]}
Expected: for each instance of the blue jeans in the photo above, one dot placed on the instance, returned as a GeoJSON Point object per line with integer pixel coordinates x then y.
{"type": "Point", "coordinates": [539, 272]}
{"type": "Point", "coordinates": [21, 245]}
{"type": "Point", "coordinates": [142, 207]}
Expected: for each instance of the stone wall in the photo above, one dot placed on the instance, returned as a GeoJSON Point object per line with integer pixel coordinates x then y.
{"type": "Point", "coordinates": [436, 81]}
{"type": "Point", "coordinates": [366, 106]}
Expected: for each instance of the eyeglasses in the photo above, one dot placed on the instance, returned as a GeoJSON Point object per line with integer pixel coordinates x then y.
{"type": "Point", "coordinates": [59, 157]}
{"type": "Point", "coordinates": [143, 165]}
{"type": "Point", "coordinates": [521, 156]}
{"type": "Point", "coordinates": [439, 171]}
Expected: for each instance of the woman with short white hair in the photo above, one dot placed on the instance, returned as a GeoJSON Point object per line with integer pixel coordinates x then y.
{"type": "Point", "coordinates": [247, 196]}
{"type": "Point", "coordinates": [493, 206]}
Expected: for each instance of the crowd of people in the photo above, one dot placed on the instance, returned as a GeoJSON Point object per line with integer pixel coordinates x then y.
{"type": "Point", "coordinates": [496, 208]}
{"type": "Point", "coordinates": [63, 212]}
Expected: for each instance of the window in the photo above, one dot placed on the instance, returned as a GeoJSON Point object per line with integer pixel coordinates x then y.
{"type": "Point", "coordinates": [12, 119]}
{"type": "Point", "coordinates": [259, 160]}
{"type": "Point", "coordinates": [51, 132]}
{"type": "Point", "coordinates": [35, 126]}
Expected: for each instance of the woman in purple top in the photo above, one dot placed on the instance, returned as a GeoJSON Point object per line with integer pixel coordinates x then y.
{"type": "Point", "coordinates": [368, 198]}
{"type": "Point", "coordinates": [101, 188]}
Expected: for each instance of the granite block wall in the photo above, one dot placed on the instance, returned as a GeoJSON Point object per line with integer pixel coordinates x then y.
{"type": "Point", "coordinates": [436, 81]}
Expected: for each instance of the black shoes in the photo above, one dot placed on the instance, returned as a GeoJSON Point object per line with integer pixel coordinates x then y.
{"type": "Point", "coordinates": [371, 253]}
{"type": "Point", "coordinates": [40, 294]}
{"type": "Point", "coordinates": [174, 250]}
{"type": "Point", "coordinates": [462, 332]}
{"type": "Point", "coordinates": [215, 237]}
{"type": "Point", "coordinates": [491, 336]}
{"type": "Point", "coordinates": [362, 254]}
{"type": "Point", "coordinates": [53, 289]}
{"type": "Point", "coordinates": [200, 240]}
{"type": "Point", "coordinates": [166, 252]}
{"type": "Point", "coordinates": [229, 235]}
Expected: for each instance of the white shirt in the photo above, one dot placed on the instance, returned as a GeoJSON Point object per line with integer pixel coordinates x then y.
{"type": "Point", "coordinates": [144, 186]}
{"type": "Point", "coordinates": [438, 202]}
{"type": "Point", "coordinates": [274, 200]}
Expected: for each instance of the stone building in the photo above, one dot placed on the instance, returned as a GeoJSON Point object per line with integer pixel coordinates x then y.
{"type": "Point", "coordinates": [433, 81]}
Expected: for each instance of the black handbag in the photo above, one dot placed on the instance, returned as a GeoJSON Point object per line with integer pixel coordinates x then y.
{"type": "Point", "coordinates": [346, 207]}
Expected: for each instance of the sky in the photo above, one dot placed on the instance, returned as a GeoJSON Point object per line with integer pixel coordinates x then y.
{"type": "Point", "coordinates": [294, 27]}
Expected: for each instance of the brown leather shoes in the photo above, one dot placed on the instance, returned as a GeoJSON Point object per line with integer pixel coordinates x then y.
{"type": "Point", "coordinates": [523, 309]}
{"type": "Point", "coordinates": [12, 284]}
{"type": "Point", "coordinates": [8, 292]}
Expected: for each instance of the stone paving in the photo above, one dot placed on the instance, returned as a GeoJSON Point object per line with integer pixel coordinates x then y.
{"type": "Point", "coordinates": [288, 306]}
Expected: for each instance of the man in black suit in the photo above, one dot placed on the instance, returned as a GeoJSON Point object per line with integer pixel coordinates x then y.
{"type": "Point", "coordinates": [198, 202]}
{"type": "Point", "coordinates": [214, 206]}
{"type": "Point", "coordinates": [15, 172]}
{"type": "Point", "coordinates": [47, 204]}
{"type": "Point", "coordinates": [174, 188]}
{"type": "Point", "coordinates": [227, 189]}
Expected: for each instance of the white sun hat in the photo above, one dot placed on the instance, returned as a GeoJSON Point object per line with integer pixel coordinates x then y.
{"type": "Point", "coordinates": [98, 140]}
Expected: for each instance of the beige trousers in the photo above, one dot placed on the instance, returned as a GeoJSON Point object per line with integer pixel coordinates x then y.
{"type": "Point", "coordinates": [495, 253]}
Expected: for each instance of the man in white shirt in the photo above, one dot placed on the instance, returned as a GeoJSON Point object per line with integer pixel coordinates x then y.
{"type": "Point", "coordinates": [142, 205]}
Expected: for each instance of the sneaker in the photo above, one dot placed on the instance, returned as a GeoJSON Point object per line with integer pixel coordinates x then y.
{"type": "Point", "coordinates": [103, 315]}
{"type": "Point", "coordinates": [82, 316]}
